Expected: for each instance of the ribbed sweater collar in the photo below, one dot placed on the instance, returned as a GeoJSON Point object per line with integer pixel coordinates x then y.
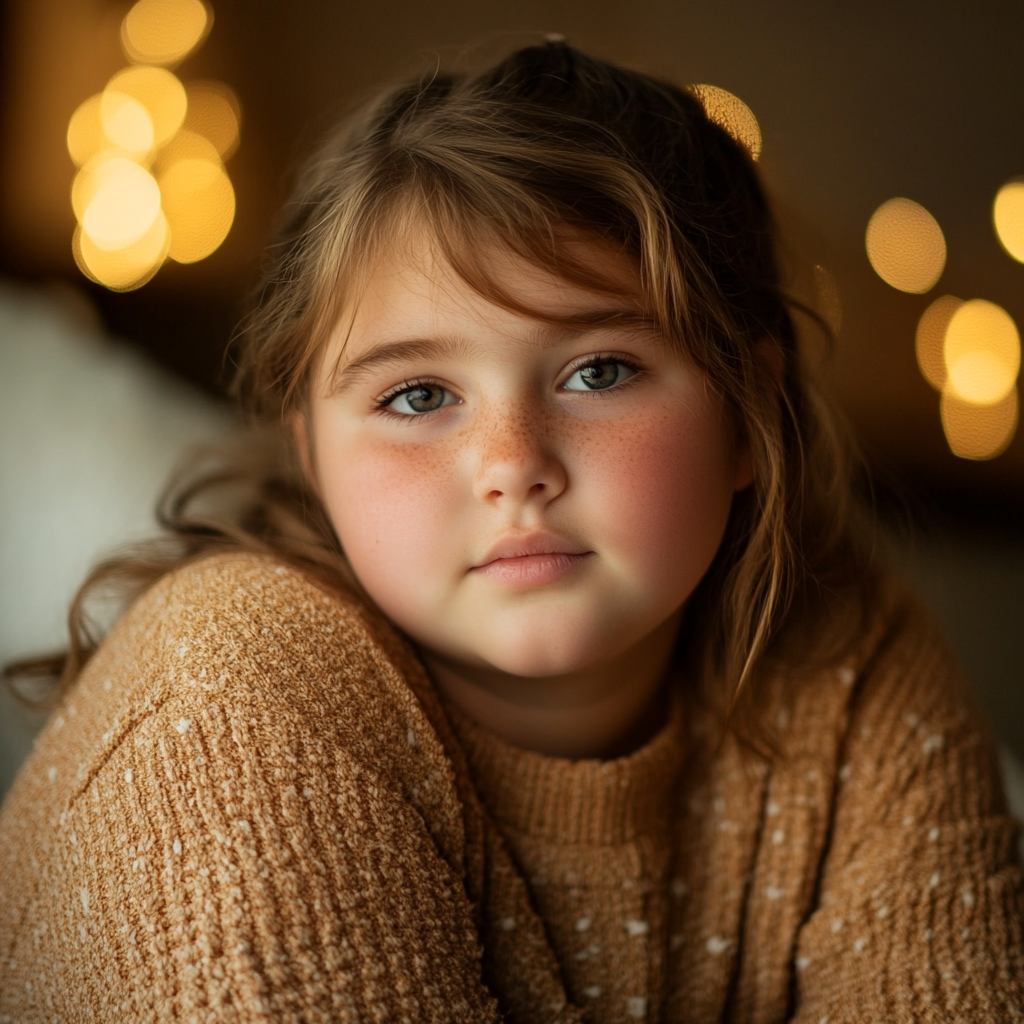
{"type": "Point", "coordinates": [562, 801]}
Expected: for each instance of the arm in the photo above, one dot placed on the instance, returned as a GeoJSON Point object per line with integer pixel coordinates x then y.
{"type": "Point", "coordinates": [240, 813]}
{"type": "Point", "coordinates": [919, 909]}
{"type": "Point", "coordinates": [235, 869]}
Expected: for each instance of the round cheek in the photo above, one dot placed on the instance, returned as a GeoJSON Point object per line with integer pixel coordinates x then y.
{"type": "Point", "coordinates": [662, 487]}
{"type": "Point", "coordinates": [391, 507]}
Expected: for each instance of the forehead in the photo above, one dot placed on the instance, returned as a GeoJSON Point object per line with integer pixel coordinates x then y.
{"type": "Point", "coordinates": [414, 283]}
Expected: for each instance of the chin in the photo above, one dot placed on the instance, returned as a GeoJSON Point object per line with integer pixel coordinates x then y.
{"type": "Point", "coordinates": [535, 653]}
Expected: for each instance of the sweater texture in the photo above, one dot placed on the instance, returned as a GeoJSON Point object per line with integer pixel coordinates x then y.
{"type": "Point", "coordinates": [253, 806]}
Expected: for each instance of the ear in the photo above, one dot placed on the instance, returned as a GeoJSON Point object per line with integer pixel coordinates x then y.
{"type": "Point", "coordinates": [298, 424]}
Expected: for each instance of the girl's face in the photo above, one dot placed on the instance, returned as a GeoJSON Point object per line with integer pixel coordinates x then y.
{"type": "Point", "coordinates": [518, 496]}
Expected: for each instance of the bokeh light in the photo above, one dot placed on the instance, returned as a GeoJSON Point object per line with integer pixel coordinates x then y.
{"type": "Point", "coordinates": [85, 131]}
{"type": "Point", "coordinates": [126, 268]}
{"type": "Point", "coordinates": [197, 198]}
{"type": "Point", "coordinates": [906, 246]}
{"type": "Point", "coordinates": [159, 92]}
{"type": "Point", "coordinates": [126, 123]}
{"type": "Point", "coordinates": [931, 339]}
{"type": "Point", "coordinates": [979, 431]}
{"type": "Point", "coordinates": [732, 114]}
{"type": "Point", "coordinates": [982, 352]}
{"type": "Point", "coordinates": [124, 203]}
{"type": "Point", "coordinates": [1008, 218]}
{"type": "Point", "coordinates": [151, 183]}
{"type": "Point", "coordinates": [214, 113]}
{"type": "Point", "coordinates": [164, 31]}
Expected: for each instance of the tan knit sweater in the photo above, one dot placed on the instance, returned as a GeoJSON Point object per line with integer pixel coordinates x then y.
{"type": "Point", "coordinates": [253, 807]}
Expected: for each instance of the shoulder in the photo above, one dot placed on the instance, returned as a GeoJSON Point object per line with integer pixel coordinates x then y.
{"type": "Point", "coordinates": [242, 648]}
{"type": "Point", "coordinates": [917, 744]}
{"type": "Point", "coordinates": [239, 621]}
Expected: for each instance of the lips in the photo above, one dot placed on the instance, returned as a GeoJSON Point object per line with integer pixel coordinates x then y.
{"type": "Point", "coordinates": [533, 559]}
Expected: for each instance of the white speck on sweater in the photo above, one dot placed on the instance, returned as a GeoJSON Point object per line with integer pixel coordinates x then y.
{"type": "Point", "coordinates": [176, 846]}
{"type": "Point", "coordinates": [908, 821]}
{"type": "Point", "coordinates": [968, 898]}
{"type": "Point", "coordinates": [803, 962]}
{"type": "Point", "coordinates": [934, 834]}
{"type": "Point", "coordinates": [636, 1006]}
{"type": "Point", "coordinates": [883, 913]}
{"type": "Point", "coordinates": [933, 881]}
{"type": "Point", "coordinates": [858, 946]}
{"type": "Point", "coordinates": [845, 771]}
{"type": "Point", "coordinates": [717, 945]}
{"type": "Point", "coordinates": [846, 675]}
{"type": "Point", "coordinates": [837, 926]}
{"type": "Point", "coordinates": [410, 737]}
{"type": "Point", "coordinates": [778, 837]}
{"type": "Point", "coordinates": [582, 924]}
{"type": "Point", "coordinates": [772, 809]}
{"type": "Point", "coordinates": [51, 773]}
{"type": "Point", "coordinates": [592, 991]}
{"type": "Point", "coordinates": [83, 895]}
{"type": "Point", "coordinates": [107, 684]}
{"type": "Point", "coordinates": [636, 928]}
{"type": "Point", "coordinates": [128, 776]}
{"type": "Point", "coordinates": [773, 892]}
{"type": "Point", "coordinates": [507, 924]}
{"type": "Point", "coordinates": [933, 743]}
{"type": "Point", "coordinates": [182, 725]}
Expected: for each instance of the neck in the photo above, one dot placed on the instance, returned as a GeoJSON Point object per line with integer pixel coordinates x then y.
{"type": "Point", "coordinates": [604, 711]}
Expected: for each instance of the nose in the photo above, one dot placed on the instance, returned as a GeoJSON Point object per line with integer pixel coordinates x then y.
{"type": "Point", "coordinates": [517, 461]}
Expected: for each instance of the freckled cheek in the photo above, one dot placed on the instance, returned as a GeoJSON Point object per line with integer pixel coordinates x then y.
{"type": "Point", "coordinates": [659, 491]}
{"type": "Point", "coordinates": [393, 509]}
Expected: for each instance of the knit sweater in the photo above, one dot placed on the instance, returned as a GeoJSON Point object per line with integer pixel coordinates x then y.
{"type": "Point", "coordinates": [253, 806]}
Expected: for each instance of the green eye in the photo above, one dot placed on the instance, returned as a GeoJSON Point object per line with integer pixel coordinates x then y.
{"type": "Point", "coordinates": [420, 398]}
{"type": "Point", "coordinates": [599, 376]}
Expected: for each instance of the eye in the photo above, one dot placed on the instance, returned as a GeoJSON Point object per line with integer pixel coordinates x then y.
{"type": "Point", "coordinates": [599, 375]}
{"type": "Point", "coordinates": [416, 399]}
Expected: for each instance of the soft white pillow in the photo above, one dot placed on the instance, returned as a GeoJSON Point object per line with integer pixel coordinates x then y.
{"type": "Point", "coordinates": [89, 432]}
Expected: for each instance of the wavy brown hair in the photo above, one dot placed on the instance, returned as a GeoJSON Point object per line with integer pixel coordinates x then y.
{"type": "Point", "coordinates": [549, 144]}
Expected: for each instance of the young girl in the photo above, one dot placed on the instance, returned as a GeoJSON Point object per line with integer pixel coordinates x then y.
{"type": "Point", "coordinates": [548, 680]}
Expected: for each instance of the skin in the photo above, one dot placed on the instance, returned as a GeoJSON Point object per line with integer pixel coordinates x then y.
{"type": "Point", "coordinates": [565, 654]}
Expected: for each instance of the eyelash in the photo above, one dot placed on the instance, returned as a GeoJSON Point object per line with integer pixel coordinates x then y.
{"type": "Point", "coordinates": [383, 403]}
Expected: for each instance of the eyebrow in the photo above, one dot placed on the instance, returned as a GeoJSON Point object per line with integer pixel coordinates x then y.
{"type": "Point", "coordinates": [347, 375]}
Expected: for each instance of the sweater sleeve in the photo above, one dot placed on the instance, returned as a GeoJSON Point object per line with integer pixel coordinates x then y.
{"type": "Point", "coordinates": [266, 829]}
{"type": "Point", "coordinates": [919, 910]}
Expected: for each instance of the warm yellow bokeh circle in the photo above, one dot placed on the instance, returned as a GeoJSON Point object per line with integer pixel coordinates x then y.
{"type": "Point", "coordinates": [731, 113]}
{"type": "Point", "coordinates": [1008, 218]}
{"type": "Point", "coordinates": [906, 246]}
{"type": "Point", "coordinates": [981, 352]}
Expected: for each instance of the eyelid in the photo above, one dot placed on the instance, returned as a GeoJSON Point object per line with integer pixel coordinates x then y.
{"type": "Point", "coordinates": [407, 385]}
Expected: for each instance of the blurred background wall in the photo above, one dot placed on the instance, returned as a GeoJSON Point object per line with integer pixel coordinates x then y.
{"type": "Point", "coordinates": [857, 104]}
